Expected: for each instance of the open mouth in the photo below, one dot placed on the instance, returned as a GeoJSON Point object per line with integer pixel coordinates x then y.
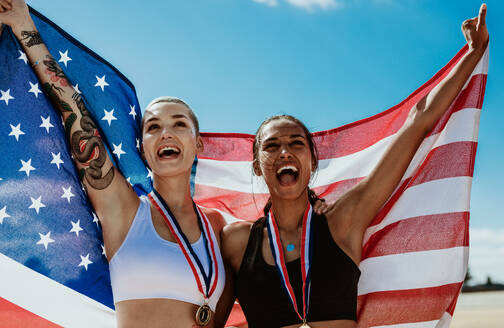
{"type": "Point", "coordinates": [168, 152]}
{"type": "Point", "coordinates": [287, 175]}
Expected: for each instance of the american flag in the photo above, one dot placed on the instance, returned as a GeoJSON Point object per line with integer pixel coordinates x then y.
{"type": "Point", "coordinates": [52, 267]}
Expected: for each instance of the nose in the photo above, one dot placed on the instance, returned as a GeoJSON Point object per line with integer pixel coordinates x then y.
{"type": "Point", "coordinates": [166, 134]}
{"type": "Point", "coordinates": [285, 153]}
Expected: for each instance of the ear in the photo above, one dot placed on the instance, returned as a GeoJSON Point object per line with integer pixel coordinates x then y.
{"type": "Point", "coordinates": [200, 146]}
{"type": "Point", "coordinates": [256, 167]}
{"type": "Point", "coordinates": [313, 165]}
{"type": "Point", "coordinates": [142, 153]}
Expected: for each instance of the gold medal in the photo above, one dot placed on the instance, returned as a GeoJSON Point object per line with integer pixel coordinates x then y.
{"type": "Point", "coordinates": [203, 315]}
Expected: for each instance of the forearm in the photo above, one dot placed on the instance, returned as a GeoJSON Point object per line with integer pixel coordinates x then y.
{"type": "Point", "coordinates": [85, 141]}
{"type": "Point", "coordinates": [441, 97]}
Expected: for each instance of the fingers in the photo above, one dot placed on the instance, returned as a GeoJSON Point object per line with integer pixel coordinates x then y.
{"type": "Point", "coordinates": [5, 5]}
{"type": "Point", "coordinates": [482, 15]}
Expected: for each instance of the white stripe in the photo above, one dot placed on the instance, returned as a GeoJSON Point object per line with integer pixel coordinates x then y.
{"type": "Point", "coordinates": [424, 324]}
{"type": "Point", "coordinates": [444, 322]}
{"type": "Point", "coordinates": [446, 195]}
{"type": "Point", "coordinates": [237, 175]}
{"type": "Point", "coordinates": [413, 270]}
{"type": "Point", "coordinates": [50, 299]}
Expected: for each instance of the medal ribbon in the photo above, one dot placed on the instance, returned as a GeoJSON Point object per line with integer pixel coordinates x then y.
{"type": "Point", "coordinates": [278, 256]}
{"type": "Point", "coordinates": [202, 279]}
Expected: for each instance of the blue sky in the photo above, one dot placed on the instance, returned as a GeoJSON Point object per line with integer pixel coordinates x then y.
{"type": "Point", "coordinates": [328, 62]}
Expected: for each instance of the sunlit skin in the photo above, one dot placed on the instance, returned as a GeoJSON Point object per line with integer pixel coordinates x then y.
{"type": "Point", "coordinates": [166, 125]}
{"type": "Point", "coordinates": [282, 144]}
{"type": "Point", "coordinates": [350, 215]}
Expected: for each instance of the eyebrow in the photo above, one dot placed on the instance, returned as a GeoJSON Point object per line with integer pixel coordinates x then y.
{"type": "Point", "coordinates": [173, 116]}
{"type": "Point", "coordinates": [292, 136]}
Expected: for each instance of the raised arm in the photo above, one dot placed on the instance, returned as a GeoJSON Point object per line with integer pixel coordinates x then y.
{"type": "Point", "coordinates": [112, 197]}
{"type": "Point", "coordinates": [353, 212]}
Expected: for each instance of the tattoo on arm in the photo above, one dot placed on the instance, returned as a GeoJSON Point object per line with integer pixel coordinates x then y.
{"type": "Point", "coordinates": [31, 38]}
{"type": "Point", "coordinates": [89, 150]}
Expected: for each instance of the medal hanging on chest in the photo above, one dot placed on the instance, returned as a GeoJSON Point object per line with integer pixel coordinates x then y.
{"type": "Point", "coordinates": [206, 282]}
{"type": "Point", "coordinates": [306, 252]}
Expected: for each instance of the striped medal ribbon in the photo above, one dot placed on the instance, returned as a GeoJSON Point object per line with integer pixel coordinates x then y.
{"type": "Point", "coordinates": [206, 282]}
{"type": "Point", "coordinates": [306, 254]}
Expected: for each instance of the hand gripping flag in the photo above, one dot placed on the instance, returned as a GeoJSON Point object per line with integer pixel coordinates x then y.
{"type": "Point", "coordinates": [52, 268]}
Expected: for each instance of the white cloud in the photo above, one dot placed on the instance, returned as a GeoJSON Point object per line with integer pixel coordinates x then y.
{"type": "Point", "coordinates": [271, 3]}
{"type": "Point", "coordinates": [308, 5]}
{"type": "Point", "coordinates": [486, 254]}
{"type": "Point", "coordinates": [311, 5]}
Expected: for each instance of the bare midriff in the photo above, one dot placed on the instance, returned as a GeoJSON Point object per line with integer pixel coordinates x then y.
{"type": "Point", "coordinates": [328, 324]}
{"type": "Point", "coordinates": [156, 312]}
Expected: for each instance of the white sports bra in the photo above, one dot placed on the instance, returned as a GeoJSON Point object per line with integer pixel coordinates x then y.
{"type": "Point", "coordinates": [148, 266]}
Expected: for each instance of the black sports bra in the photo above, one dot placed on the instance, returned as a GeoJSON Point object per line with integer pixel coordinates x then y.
{"type": "Point", "coordinates": [334, 278]}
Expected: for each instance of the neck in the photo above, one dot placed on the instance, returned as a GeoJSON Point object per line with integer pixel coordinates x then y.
{"type": "Point", "coordinates": [176, 191]}
{"type": "Point", "coordinates": [289, 212]}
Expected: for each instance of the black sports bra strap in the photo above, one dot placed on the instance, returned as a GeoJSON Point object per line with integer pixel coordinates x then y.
{"type": "Point", "coordinates": [254, 245]}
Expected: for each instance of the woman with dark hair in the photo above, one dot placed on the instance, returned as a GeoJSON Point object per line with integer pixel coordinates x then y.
{"type": "Point", "coordinates": [295, 268]}
{"type": "Point", "coordinates": [165, 264]}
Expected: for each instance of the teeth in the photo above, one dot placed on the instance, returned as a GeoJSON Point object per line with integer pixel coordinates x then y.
{"type": "Point", "coordinates": [288, 167]}
{"type": "Point", "coordinates": [168, 148]}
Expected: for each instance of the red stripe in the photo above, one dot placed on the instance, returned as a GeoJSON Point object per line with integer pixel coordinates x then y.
{"type": "Point", "coordinates": [421, 233]}
{"type": "Point", "coordinates": [239, 204]}
{"type": "Point", "coordinates": [236, 318]}
{"type": "Point", "coordinates": [212, 246]}
{"type": "Point", "coordinates": [13, 316]}
{"type": "Point", "coordinates": [282, 264]}
{"type": "Point", "coordinates": [405, 306]}
{"type": "Point", "coordinates": [303, 257]}
{"type": "Point", "coordinates": [188, 259]}
{"type": "Point", "coordinates": [227, 146]}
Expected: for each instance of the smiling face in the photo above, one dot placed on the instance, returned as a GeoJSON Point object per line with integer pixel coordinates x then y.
{"type": "Point", "coordinates": [170, 139]}
{"type": "Point", "coordinates": [284, 158]}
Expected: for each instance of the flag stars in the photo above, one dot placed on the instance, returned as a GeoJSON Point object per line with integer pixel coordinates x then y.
{"type": "Point", "coordinates": [67, 193]}
{"type": "Point", "coordinates": [118, 150]}
{"type": "Point", "coordinates": [100, 82]}
{"type": "Point", "coordinates": [64, 58]}
{"type": "Point", "coordinates": [6, 96]}
{"type": "Point", "coordinates": [16, 131]}
{"type": "Point", "coordinates": [104, 253]}
{"type": "Point", "coordinates": [34, 88]}
{"type": "Point", "coordinates": [22, 56]}
{"type": "Point", "coordinates": [36, 204]}
{"type": "Point", "coordinates": [85, 261]}
{"type": "Point", "coordinates": [46, 123]}
{"type": "Point", "coordinates": [132, 111]}
{"type": "Point", "coordinates": [76, 88]}
{"type": "Point", "coordinates": [149, 175]}
{"type": "Point", "coordinates": [3, 214]}
{"type": "Point", "coordinates": [95, 218]}
{"type": "Point", "coordinates": [76, 227]}
{"type": "Point", "coordinates": [56, 159]}
{"type": "Point", "coordinates": [26, 167]}
{"type": "Point", "coordinates": [109, 116]}
{"type": "Point", "coordinates": [45, 239]}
